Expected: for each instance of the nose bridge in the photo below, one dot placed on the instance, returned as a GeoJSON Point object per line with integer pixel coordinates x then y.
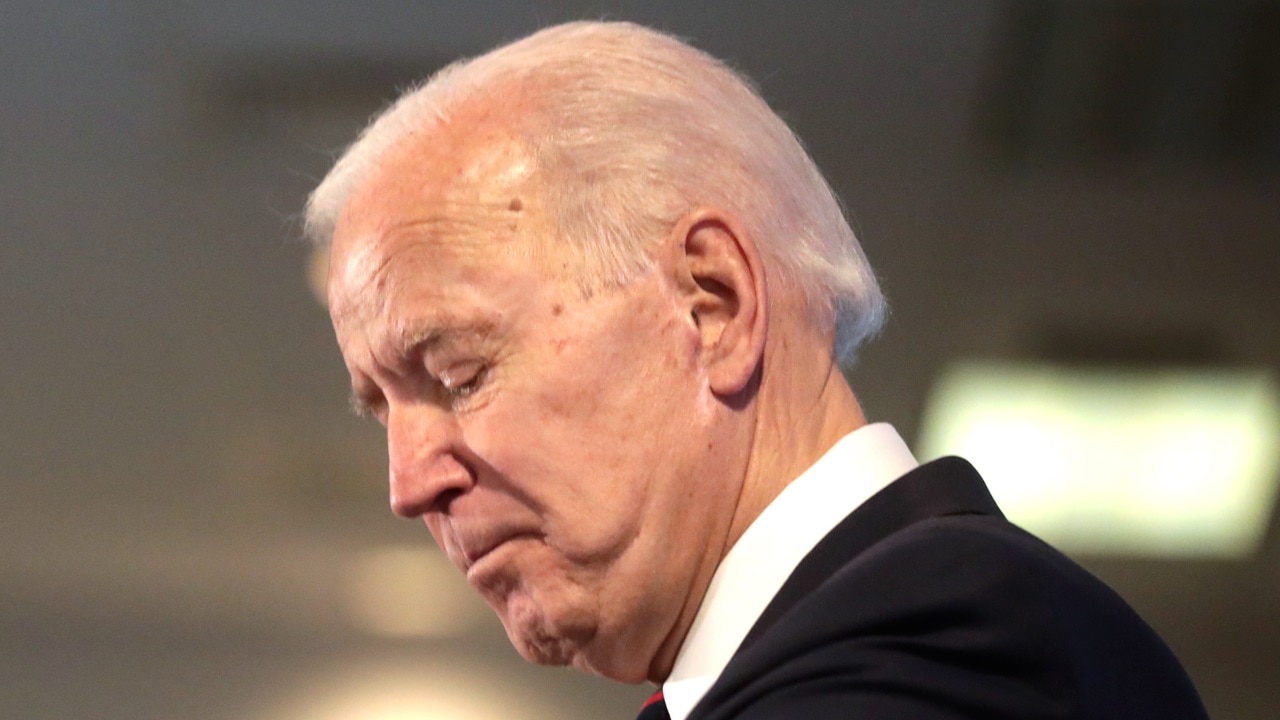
{"type": "Point", "coordinates": [422, 466]}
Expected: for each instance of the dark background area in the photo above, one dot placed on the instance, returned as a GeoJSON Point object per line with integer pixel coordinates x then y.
{"type": "Point", "coordinates": [184, 492]}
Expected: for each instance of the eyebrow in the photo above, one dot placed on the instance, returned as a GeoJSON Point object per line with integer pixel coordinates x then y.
{"type": "Point", "coordinates": [360, 407]}
{"type": "Point", "coordinates": [426, 335]}
{"type": "Point", "coordinates": [421, 337]}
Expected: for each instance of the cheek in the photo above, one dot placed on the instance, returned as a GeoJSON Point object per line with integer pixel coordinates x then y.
{"type": "Point", "coordinates": [569, 447]}
{"type": "Point", "coordinates": [583, 425]}
{"type": "Point", "coordinates": [563, 403]}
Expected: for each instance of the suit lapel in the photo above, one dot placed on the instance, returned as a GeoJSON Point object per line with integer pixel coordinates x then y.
{"type": "Point", "coordinates": [949, 486]}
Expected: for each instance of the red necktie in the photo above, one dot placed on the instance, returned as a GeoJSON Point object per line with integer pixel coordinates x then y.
{"type": "Point", "coordinates": [655, 708]}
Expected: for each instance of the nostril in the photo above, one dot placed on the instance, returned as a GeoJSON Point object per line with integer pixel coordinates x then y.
{"type": "Point", "coordinates": [444, 499]}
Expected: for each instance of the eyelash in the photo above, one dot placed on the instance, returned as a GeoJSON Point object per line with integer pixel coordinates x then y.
{"type": "Point", "coordinates": [464, 390]}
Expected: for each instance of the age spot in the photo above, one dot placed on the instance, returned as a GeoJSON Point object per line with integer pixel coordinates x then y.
{"type": "Point", "coordinates": [516, 205]}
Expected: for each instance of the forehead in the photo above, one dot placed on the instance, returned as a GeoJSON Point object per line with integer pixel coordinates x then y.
{"type": "Point", "coordinates": [466, 169]}
{"type": "Point", "coordinates": [461, 195]}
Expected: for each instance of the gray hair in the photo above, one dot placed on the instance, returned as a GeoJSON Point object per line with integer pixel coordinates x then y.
{"type": "Point", "coordinates": [632, 130]}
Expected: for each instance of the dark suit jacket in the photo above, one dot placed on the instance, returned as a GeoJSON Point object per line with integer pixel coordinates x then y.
{"type": "Point", "coordinates": [925, 604]}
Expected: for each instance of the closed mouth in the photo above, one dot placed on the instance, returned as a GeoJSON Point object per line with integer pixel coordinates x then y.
{"type": "Point", "coordinates": [474, 556]}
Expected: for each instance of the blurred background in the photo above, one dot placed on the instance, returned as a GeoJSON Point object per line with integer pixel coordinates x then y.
{"type": "Point", "coordinates": [1071, 203]}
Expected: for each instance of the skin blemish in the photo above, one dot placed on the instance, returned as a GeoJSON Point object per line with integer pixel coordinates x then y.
{"type": "Point", "coordinates": [516, 205]}
{"type": "Point", "coordinates": [557, 308]}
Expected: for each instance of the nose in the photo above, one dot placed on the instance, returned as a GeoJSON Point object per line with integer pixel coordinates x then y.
{"type": "Point", "coordinates": [424, 471]}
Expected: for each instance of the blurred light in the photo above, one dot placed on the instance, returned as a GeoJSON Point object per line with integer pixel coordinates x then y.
{"type": "Point", "coordinates": [1149, 462]}
{"type": "Point", "coordinates": [411, 690]}
{"type": "Point", "coordinates": [409, 591]}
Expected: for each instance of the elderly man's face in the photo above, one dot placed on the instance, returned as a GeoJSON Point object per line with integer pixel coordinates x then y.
{"type": "Point", "coordinates": [562, 450]}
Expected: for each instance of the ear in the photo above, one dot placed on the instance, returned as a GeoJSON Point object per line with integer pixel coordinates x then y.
{"type": "Point", "coordinates": [721, 281]}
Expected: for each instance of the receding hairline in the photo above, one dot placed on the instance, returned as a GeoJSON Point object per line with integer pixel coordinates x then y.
{"type": "Point", "coordinates": [807, 241]}
{"type": "Point", "coordinates": [480, 188]}
{"type": "Point", "coordinates": [550, 58]}
{"type": "Point", "coordinates": [503, 115]}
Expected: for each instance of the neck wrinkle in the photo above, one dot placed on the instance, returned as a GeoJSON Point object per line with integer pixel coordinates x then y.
{"type": "Point", "coordinates": [800, 415]}
{"type": "Point", "coordinates": [797, 397]}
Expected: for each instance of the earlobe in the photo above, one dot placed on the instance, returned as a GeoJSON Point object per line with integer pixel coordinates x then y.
{"type": "Point", "coordinates": [722, 280]}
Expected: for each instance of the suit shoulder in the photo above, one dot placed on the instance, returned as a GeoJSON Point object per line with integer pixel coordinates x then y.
{"type": "Point", "coordinates": [975, 553]}
{"type": "Point", "coordinates": [1027, 597]}
{"type": "Point", "coordinates": [959, 616]}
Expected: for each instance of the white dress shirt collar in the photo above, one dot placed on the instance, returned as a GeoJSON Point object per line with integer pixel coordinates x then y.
{"type": "Point", "coordinates": [855, 468]}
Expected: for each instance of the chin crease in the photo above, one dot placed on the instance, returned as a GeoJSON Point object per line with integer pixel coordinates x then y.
{"type": "Point", "coordinates": [546, 644]}
{"type": "Point", "coordinates": [546, 650]}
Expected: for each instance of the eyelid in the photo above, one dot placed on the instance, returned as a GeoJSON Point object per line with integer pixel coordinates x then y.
{"type": "Point", "coordinates": [461, 373]}
{"type": "Point", "coordinates": [461, 381]}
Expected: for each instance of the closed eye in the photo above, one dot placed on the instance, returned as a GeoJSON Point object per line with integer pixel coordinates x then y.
{"type": "Point", "coordinates": [463, 380]}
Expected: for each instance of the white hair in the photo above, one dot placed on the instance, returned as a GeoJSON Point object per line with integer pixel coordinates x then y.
{"type": "Point", "coordinates": [631, 130]}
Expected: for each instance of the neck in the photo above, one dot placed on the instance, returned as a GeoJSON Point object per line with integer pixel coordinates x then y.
{"type": "Point", "coordinates": [803, 409]}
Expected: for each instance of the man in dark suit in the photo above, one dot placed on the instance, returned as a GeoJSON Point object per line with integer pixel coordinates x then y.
{"type": "Point", "coordinates": [926, 603]}
{"type": "Point", "coordinates": [598, 294]}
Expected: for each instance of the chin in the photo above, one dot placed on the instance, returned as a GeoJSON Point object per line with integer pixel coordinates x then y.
{"type": "Point", "coordinates": [552, 618]}
{"type": "Point", "coordinates": [548, 634]}
{"type": "Point", "coordinates": [544, 649]}
{"type": "Point", "coordinates": [578, 645]}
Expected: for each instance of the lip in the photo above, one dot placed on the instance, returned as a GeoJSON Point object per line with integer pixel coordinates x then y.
{"type": "Point", "coordinates": [472, 554]}
{"type": "Point", "coordinates": [477, 549]}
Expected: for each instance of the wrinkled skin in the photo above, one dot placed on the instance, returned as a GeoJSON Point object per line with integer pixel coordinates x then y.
{"type": "Point", "coordinates": [566, 452]}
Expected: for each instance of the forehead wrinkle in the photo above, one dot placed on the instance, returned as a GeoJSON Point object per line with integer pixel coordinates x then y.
{"type": "Point", "coordinates": [356, 277]}
{"type": "Point", "coordinates": [366, 273]}
{"type": "Point", "coordinates": [459, 224]}
{"type": "Point", "coordinates": [378, 268]}
{"type": "Point", "coordinates": [482, 201]}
